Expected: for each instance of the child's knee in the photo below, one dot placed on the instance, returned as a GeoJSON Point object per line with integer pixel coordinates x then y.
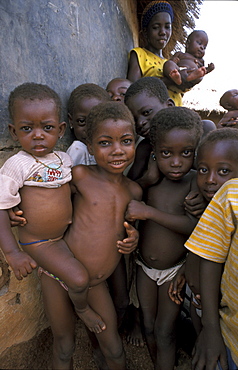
{"type": "Point", "coordinates": [114, 352]}
{"type": "Point", "coordinates": [64, 349]}
{"type": "Point", "coordinates": [79, 282]}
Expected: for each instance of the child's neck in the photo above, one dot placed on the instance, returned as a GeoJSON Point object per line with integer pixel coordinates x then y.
{"type": "Point", "coordinates": [157, 52]}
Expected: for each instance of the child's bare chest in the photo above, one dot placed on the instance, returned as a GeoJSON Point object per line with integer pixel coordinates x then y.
{"type": "Point", "coordinates": [169, 196]}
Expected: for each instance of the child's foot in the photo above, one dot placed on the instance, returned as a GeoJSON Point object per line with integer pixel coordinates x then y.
{"type": "Point", "coordinates": [92, 320]}
{"type": "Point", "coordinates": [175, 76]}
{"type": "Point", "coordinates": [197, 73]}
{"type": "Point", "coordinates": [135, 336]}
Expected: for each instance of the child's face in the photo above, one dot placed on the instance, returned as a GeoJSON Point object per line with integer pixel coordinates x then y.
{"type": "Point", "coordinates": [229, 100]}
{"type": "Point", "coordinates": [36, 125]}
{"type": "Point", "coordinates": [216, 163]}
{"type": "Point", "coordinates": [117, 89]}
{"type": "Point", "coordinates": [143, 108]}
{"type": "Point", "coordinates": [78, 119]}
{"type": "Point", "coordinates": [197, 45]}
{"type": "Point", "coordinates": [159, 31]}
{"type": "Point", "coordinates": [175, 153]}
{"type": "Point", "coordinates": [113, 145]}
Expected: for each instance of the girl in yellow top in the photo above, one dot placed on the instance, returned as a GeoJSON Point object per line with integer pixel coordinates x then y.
{"type": "Point", "coordinates": [156, 24]}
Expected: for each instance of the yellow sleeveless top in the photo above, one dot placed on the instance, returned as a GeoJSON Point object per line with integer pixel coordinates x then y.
{"type": "Point", "coordinates": [151, 65]}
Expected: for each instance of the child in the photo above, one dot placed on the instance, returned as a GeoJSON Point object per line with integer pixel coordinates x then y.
{"type": "Point", "coordinates": [81, 100]}
{"type": "Point", "coordinates": [117, 88]}
{"type": "Point", "coordinates": [101, 194]}
{"type": "Point", "coordinates": [215, 241]}
{"type": "Point", "coordinates": [156, 25]}
{"type": "Point", "coordinates": [35, 110]}
{"type": "Point", "coordinates": [34, 173]}
{"type": "Point", "coordinates": [189, 66]}
{"type": "Point", "coordinates": [229, 101]}
{"type": "Point", "coordinates": [174, 133]}
{"type": "Point", "coordinates": [145, 98]}
{"type": "Point", "coordinates": [217, 163]}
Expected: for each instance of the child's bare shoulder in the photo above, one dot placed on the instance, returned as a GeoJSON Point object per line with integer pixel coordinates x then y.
{"type": "Point", "coordinates": [134, 188]}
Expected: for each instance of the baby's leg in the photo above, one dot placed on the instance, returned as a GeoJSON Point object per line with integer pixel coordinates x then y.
{"type": "Point", "coordinates": [171, 70]}
{"type": "Point", "coordinates": [196, 73]}
{"type": "Point", "coordinates": [59, 310]}
{"type": "Point", "coordinates": [56, 258]}
{"type": "Point", "coordinates": [118, 289]}
{"type": "Point", "coordinates": [165, 329]}
{"type": "Point", "coordinates": [147, 294]}
{"type": "Point", "coordinates": [109, 340]}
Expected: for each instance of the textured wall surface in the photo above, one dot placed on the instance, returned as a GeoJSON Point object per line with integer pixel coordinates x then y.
{"type": "Point", "coordinates": [63, 44]}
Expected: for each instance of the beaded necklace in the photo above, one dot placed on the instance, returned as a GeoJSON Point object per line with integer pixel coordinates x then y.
{"type": "Point", "coordinates": [45, 165]}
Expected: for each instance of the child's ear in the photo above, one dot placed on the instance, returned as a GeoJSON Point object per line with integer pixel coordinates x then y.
{"type": "Point", "coordinates": [12, 131]}
{"type": "Point", "coordinates": [70, 121]}
{"type": "Point", "coordinates": [62, 128]}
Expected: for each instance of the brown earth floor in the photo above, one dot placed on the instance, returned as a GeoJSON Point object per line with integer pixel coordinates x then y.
{"type": "Point", "coordinates": [36, 354]}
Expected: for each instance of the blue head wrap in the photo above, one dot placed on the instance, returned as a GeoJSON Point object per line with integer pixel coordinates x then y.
{"type": "Point", "coordinates": [153, 8]}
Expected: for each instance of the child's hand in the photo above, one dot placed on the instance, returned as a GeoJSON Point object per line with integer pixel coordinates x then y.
{"type": "Point", "coordinates": [195, 204]}
{"type": "Point", "coordinates": [21, 263]}
{"type": "Point", "coordinates": [196, 301]}
{"type": "Point", "coordinates": [15, 217]}
{"type": "Point", "coordinates": [129, 244]}
{"type": "Point", "coordinates": [135, 211]}
{"type": "Point", "coordinates": [176, 287]}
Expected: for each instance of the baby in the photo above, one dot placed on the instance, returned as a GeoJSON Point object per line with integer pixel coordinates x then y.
{"type": "Point", "coordinates": [187, 69]}
{"type": "Point", "coordinates": [229, 101]}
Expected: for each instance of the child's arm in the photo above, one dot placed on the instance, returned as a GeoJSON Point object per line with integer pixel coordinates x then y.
{"type": "Point", "coordinates": [134, 71]}
{"type": "Point", "coordinates": [210, 346]}
{"type": "Point", "coordinates": [194, 203]}
{"type": "Point", "coordinates": [177, 285]}
{"type": "Point", "coordinates": [15, 216]}
{"type": "Point", "coordinates": [20, 262]}
{"type": "Point", "coordinates": [129, 244]}
{"type": "Point", "coordinates": [183, 224]}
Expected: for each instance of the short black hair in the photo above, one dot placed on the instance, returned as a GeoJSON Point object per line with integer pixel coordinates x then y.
{"type": "Point", "coordinates": [174, 117]}
{"type": "Point", "coordinates": [103, 111]}
{"type": "Point", "coordinates": [221, 134]}
{"type": "Point", "coordinates": [88, 90]}
{"type": "Point", "coordinates": [152, 86]}
{"type": "Point", "coordinates": [33, 91]}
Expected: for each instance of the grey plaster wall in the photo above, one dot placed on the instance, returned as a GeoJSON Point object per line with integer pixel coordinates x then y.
{"type": "Point", "coordinates": [61, 43]}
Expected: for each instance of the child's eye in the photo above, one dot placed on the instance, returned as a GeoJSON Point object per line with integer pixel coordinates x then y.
{"type": "Point", "coordinates": [165, 153]}
{"type": "Point", "coordinates": [224, 171]}
{"type": "Point", "coordinates": [202, 170]}
{"type": "Point", "coordinates": [48, 127]}
{"type": "Point", "coordinates": [127, 141]}
{"type": "Point", "coordinates": [187, 153]}
{"type": "Point", "coordinates": [81, 121]}
{"type": "Point", "coordinates": [104, 143]}
{"type": "Point", "coordinates": [26, 129]}
{"type": "Point", "coordinates": [122, 94]}
{"type": "Point", "coordinates": [147, 112]}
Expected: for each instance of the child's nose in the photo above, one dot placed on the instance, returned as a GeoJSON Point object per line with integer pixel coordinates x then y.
{"type": "Point", "coordinates": [37, 133]}
{"type": "Point", "coordinates": [176, 162]}
{"type": "Point", "coordinates": [211, 178]}
{"type": "Point", "coordinates": [117, 149]}
{"type": "Point", "coordinates": [116, 97]}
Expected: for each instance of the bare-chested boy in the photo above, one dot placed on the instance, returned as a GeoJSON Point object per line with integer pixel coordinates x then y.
{"type": "Point", "coordinates": [174, 133]}
{"type": "Point", "coordinates": [101, 195]}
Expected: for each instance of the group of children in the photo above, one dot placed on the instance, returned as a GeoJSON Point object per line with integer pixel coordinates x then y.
{"type": "Point", "coordinates": [176, 170]}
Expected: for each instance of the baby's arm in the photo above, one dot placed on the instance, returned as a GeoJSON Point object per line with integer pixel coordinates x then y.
{"type": "Point", "coordinates": [20, 262]}
{"type": "Point", "coordinates": [210, 67]}
{"type": "Point", "coordinates": [210, 346]}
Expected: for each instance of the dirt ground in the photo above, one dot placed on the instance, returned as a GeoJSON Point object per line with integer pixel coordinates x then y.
{"type": "Point", "coordinates": [36, 354]}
